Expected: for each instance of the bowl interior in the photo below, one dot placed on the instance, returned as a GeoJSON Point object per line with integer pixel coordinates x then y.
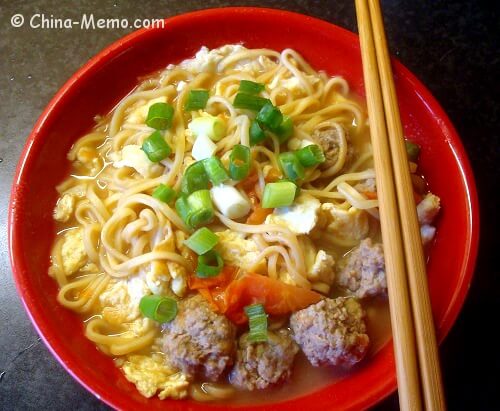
{"type": "Point", "coordinates": [100, 84]}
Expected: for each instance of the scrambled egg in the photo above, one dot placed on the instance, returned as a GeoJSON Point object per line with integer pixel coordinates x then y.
{"type": "Point", "coordinates": [179, 278]}
{"type": "Point", "coordinates": [301, 217]}
{"type": "Point", "coordinates": [238, 251]}
{"type": "Point", "coordinates": [319, 264]}
{"type": "Point", "coordinates": [207, 60]}
{"type": "Point", "coordinates": [133, 156]}
{"type": "Point", "coordinates": [89, 157]}
{"type": "Point", "coordinates": [293, 84]}
{"type": "Point", "coordinates": [255, 67]}
{"type": "Point", "coordinates": [351, 224]}
{"type": "Point", "coordinates": [323, 268]}
{"type": "Point", "coordinates": [64, 208]}
{"type": "Point", "coordinates": [73, 251]}
{"type": "Point", "coordinates": [150, 375]}
{"type": "Point", "coordinates": [139, 115]}
{"type": "Point", "coordinates": [117, 304]}
{"type": "Point", "coordinates": [120, 305]}
{"type": "Point", "coordinates": [158, 277]}
{"type": "Point", "coordinates": [78, 190]}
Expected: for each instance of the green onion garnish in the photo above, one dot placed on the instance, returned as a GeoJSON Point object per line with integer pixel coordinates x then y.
{"type": "Point", "coordinates": [291, 166]}
{"type": "Point", "coordinates": [310, 155]}
{"type": "Point", "coordinates": [270, 117]}
{"type": "Point", "coordinates": [164, 193]}
{"type": "Point", "coordinates": [211, 126]}
{"type": "Point", "coordinates": [285, 129]}
{"type": "Point", "coordinates": [197, 100]}
{"type": "Point", "coordinates": [210, 264]}
{"type": "Point", "coordinates": [194, 178]}
{"type": "Point", "coordinates": [250, 102]}
{"type": "Point", "coordinates": [156, 148]}
{"type": "Point", "coordinates": [202, 240]}
{"type": "Point", "coordinates": [215, 170]}
{"type": "Point", "coordinates": [160, 116]}
{"type": "Point", "coordinates": [257, 134]}
{"type": "Point", "coordinates": [251, 87]}
{"type": "Point", "coordinates": [297, 190]}
{"type": "Point", "coordinates": [182, 207]}
{"type": "Point", "coordinates": [200, 208]}
{"type": "Point", "coordinates": [239, 162]}
{"type": "Point", "coordinates": [279, 194]}
{"type": "Point", "coordinates": [413, 150]}
{"type": "Point", "coordinates": [158, 308]}
{"type": "Point", "coordinates": [257, 322]}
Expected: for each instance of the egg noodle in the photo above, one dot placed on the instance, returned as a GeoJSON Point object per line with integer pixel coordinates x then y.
{"type": "Point", "coordinates": [128, 234]}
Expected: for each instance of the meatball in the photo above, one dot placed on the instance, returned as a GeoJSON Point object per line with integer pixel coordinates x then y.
{"type": "Point", "coordinates": [331, 332]}
{"type": "Point", "coordinates": [329, 141]}
{"type": "Point", "coordinates": [363, 271]}
{"type": "Point", "coordinates": [199, 342]}
{"type": "Point", "coordinates": [259, 365]}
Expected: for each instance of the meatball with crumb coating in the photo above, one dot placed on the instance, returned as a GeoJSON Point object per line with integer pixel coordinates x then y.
{"type": "Point", "coordinates": [331, 332]}
{"type": "Point", "coordinates": [259, 365]}
{"type": "Point", "coordinates": [199, 342]}
{"type": "Point", "coordinates": [362, 272]}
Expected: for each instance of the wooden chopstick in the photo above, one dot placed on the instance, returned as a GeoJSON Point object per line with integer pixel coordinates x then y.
{"type": "Point", "coordinates": [430, 372]}
{"type": "Point", "coordinates": [398, 216]}
{"type": "Point", "coordinates": [397, 284]}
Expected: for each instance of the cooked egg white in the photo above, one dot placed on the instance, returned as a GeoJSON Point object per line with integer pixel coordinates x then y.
{"type": "Point", "coordinates": [301, 217]}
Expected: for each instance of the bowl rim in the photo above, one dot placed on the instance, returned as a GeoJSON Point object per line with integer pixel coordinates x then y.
{"type": "Point", "coordinates": [95, 63]}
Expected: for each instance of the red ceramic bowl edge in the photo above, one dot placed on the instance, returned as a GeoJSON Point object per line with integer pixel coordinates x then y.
{"type": "Point", "coordinates": [468, 261]}
{"type": "Point", "coordinates": [473, 226]}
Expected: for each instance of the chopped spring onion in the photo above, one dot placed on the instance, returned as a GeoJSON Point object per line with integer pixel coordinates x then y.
{"type": "Point", "coordinates": [291, 166]}
{"type": "Point", "coordinates": [200, 208]}
{"type": "Point", "coordinates": [215, 170]}
{"type": "Point", "coordinates": [230, 201]}
{"type": "Point", "coordinates": [251, 87]}
{"type": "Point", "coordinates": [182, 207]}
{"type": "Point", "coordinates": [210, 264]}
{"type": "Point", "coordinates": [310, 155]}
{"type": "Point", "coordinates": [270, 117]}
{"type": "Point", "coordinates": [160, 116]}
{"type": "Point", "coordinates": [250, 102]}
{"type": "Point", "coordinates": [413, 150]}
{"type": "Point", "coordinates": [156, 148]}
{"type": "Point", "coordinates": [211, 126]}
{"type": "Point", "coordinates": [239, 162]}
{"type": "Point", "coordinates": [195, 178]}
{"type": "Point", "coordinates": [203, 147]}
{"type": "Point", "coordinates": [257, 134]}
{"type": "Point", "coordinates": [196, 100]}
{"type": "Point", "coordinates": [279, 194]}
{"type": "Point", "coordinates": [159, 308]}
{"type": "Point", "coordinates": [164, 193]}
{"type": "Point", "coordinates": [257, 322]}
{"type": "Point", "coordinates": [285, 129]}
{"type": "Point", "coordinates": [202, 240]}
{"type": "Point", "coordinates": [297, 191]}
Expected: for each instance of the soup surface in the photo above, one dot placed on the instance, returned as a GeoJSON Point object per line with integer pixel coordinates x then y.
{"type": "Point", "coordinates": [219, 233]}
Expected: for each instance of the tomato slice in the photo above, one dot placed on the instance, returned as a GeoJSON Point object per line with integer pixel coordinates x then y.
{"type": "Point", "coordinates": [277, 297]}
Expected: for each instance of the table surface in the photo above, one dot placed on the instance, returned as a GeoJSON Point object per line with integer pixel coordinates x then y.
{"type": "Point", "coordinates": [451, 46]}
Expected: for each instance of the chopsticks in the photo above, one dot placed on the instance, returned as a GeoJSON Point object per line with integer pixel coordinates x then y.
{"type": "Point", "coordinates": [405, 263]}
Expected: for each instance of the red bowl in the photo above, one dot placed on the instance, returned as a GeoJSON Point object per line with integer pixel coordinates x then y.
{"type": "Point", "coordinates": [102, 82]}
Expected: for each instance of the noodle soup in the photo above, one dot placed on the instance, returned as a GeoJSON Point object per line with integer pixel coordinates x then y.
{"type": "Point", "coordinates": [219, 232]}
